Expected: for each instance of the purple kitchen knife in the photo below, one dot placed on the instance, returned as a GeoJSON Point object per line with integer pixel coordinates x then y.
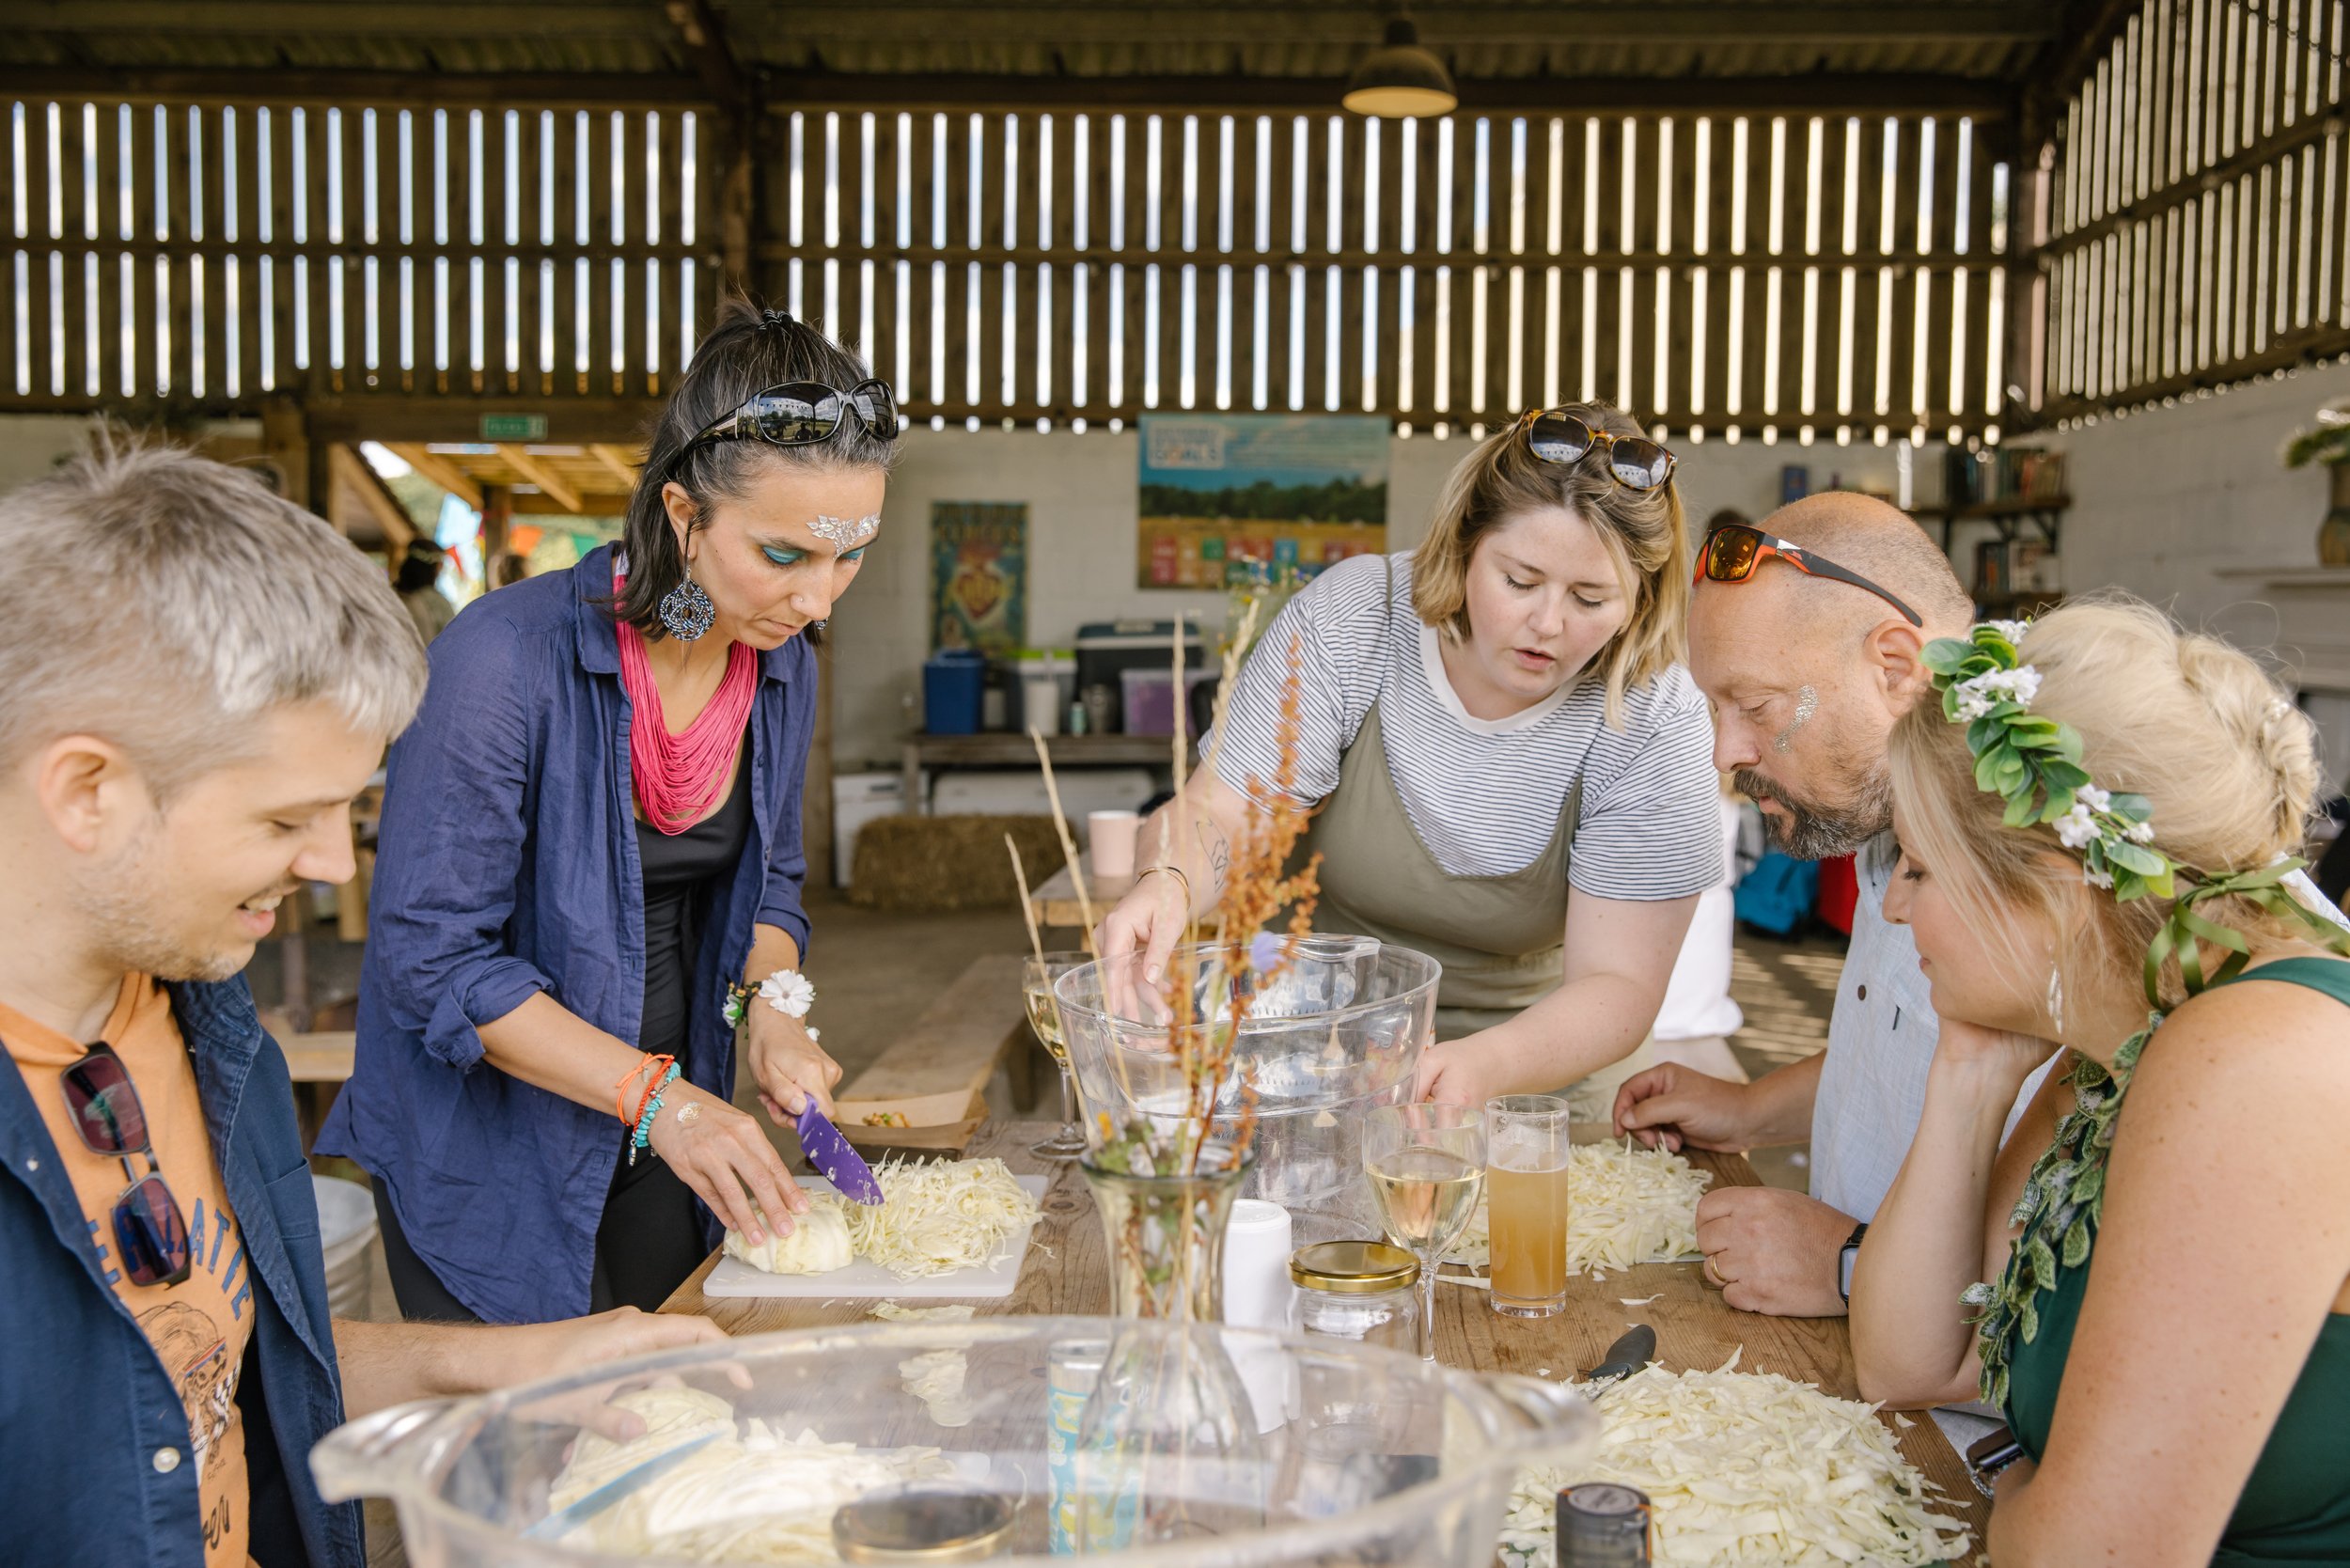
{"type": "Point", "coordinates": [829, 1152]}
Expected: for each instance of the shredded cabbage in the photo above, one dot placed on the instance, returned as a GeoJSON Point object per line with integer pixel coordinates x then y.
{"type": "Point", "coordinates": [937, 1217]}
{"type": "Point", "coordinates": [1625, 1205]}
{"type": "Point", "coordinates": [940, 1215]}
{"type": "Point", "coordinates": [1744, 1469]}
{"type": "Point", "coordinates": [750, 1496]}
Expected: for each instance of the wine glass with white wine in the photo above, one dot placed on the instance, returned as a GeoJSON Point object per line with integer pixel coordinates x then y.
{"type": "Point", "coordinates": [1426, 1168]}
{"type": "Point", "coordinates": [1037, 973]}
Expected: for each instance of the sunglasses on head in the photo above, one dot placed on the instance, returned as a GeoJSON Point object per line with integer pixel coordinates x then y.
{"type": "Point", "coordinates": [151, 1233]}
{"type": "Point", "coordinates": [801, 414]}
{"type": "Point", "coordinates": [1731, 552]}
{"type": "Point", "coordinates": [1636, 462]}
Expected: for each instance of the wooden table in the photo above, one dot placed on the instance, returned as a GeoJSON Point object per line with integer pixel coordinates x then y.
{"type": "Point", "coordinates": [1005, 749]}
{"type": "Point", "coordinates": [1053, 901]}
{"type": "Point", "coordinates": [1067, 1273]}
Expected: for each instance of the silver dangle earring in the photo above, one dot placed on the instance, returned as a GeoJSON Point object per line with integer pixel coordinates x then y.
{"type": "Point", "coordinates": [2056, 999]}
{"type": "Point", "coordinates": [820, 625]}
{"type": "Point", "coordinates": [686, 611]}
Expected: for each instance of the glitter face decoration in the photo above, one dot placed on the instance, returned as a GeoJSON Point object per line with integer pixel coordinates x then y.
{"type": "Point", "coordinates": [1806, 703]}
{"type": "Point", "coordinates": [845, 533]}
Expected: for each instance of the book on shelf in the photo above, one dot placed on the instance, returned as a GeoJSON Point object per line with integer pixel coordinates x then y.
{"type": "Point", "coordinates": [2007, 568]}
{"type": "Point", "coordinates": [2001, 474]}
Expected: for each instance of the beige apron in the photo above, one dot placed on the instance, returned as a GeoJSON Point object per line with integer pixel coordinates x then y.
{"type": "Point", "coordinates": [1499, 938]}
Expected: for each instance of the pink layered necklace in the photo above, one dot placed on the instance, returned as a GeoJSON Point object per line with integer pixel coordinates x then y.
{"type": "Point", "coordinates": [678, 779]}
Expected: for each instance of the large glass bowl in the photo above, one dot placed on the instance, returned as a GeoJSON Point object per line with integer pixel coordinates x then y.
{"type": "Point", "coordinates": [1337, 1029]}
{"type": "Point", "coordinates": [1138, 1442]}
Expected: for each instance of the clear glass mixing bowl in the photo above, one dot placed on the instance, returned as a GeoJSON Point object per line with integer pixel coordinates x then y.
{"type": "Point", "coordinates": [1139, 1442]}
{"type": "Point", "coordinates": [1337, 1032]}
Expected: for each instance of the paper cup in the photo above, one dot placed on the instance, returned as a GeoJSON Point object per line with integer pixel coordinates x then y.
{"type": "Point", "coordinates": [1258, 1292]}
{"type": "Point", "coordinates": [1112, 836]}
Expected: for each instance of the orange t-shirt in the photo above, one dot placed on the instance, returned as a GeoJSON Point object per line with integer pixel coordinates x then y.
{"type": "Point", "coordinates": [198, 1328]}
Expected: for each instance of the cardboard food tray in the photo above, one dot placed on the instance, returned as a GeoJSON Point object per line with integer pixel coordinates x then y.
{"type": "Point", "coordinates": [862, 1280]}
{"type": "Point", "coordinates": [932, 1127]}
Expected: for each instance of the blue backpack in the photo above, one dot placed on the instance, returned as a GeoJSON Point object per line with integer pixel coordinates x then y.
{"type": "Point", "coordinates": [1777, 894]}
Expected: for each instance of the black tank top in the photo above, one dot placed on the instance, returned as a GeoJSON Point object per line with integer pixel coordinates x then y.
{"type": "Point", "coordinates": [680, 871]}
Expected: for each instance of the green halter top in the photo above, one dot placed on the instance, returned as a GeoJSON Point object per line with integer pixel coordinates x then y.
{"type": "Point", "coordinates": [2295, 1505]}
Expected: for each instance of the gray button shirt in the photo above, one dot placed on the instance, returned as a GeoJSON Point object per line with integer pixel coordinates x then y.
{"type": "Point", "coordinates": [1880, 1041]}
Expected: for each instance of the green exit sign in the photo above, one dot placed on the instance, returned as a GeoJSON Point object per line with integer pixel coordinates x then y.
{"type": "Point", "coordinates": [513, 427]}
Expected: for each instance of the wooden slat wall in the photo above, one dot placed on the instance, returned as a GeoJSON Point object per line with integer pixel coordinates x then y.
{"type": "Point", "coordinates": [198, 257]}
{"type": "Point", "coordinates": [2197, 221]}
{"type": "Point", "coordinates": [1452, 270]}
{"type": "Point", "coordinates": [1396, 297]}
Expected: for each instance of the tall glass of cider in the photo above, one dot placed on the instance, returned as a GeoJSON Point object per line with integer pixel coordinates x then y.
{"type": "Point", "coordinates": [1527, 1145]}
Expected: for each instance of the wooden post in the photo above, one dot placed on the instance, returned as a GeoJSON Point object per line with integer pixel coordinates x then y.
{"type": "Point", "coordinates": [286, 442]}
{"type": "Point", "coordinates": [497, 518]}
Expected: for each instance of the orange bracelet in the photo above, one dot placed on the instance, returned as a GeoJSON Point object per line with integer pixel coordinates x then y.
{"type": "Point", "coordinates": [658, 1070]}
{"type": "Point", "coordinates": [649, 1064]}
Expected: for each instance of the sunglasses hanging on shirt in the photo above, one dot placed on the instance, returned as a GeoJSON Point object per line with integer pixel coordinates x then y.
{"type": "Point", "coordinates": [151, 1233]}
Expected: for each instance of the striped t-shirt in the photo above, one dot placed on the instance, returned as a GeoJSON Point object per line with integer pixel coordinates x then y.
{"type": "Point", "coordinates": [1484, 794]}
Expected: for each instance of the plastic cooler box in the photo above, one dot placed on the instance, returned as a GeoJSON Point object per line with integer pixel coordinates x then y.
{"type": "Point", "coordinates": [1148, 698]}
{"type": "Point", "coordinates": [953, 682]}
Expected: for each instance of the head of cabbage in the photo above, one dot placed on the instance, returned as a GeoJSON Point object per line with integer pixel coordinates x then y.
{"type": "Point", "coordinates": [819, 1242]}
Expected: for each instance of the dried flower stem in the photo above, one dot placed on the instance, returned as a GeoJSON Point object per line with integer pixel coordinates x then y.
{"type": "Point", "coordinates": [1027, 910]}
{"type": "Point", "coordinates": [1068, 843]}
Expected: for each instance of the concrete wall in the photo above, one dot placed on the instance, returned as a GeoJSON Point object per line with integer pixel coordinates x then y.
{"type": "Point", "coordinates": [2164, 497]}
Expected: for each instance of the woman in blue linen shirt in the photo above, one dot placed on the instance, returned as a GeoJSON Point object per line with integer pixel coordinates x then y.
{"type": "Point", "coordinates": [590, 834]}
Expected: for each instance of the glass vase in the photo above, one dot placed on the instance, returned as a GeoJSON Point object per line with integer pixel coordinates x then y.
{"type": "Point", "coordinates": [1166, 1235]}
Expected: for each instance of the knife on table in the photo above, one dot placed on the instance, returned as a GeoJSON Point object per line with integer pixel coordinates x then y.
{"type": "Point", "coordinates": [1627, 1355]}
{"type": "Point", "coordinates": [829, 1152]}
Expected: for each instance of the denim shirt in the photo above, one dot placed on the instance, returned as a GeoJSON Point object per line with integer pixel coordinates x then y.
{"type": "Point", "coordinates": [85, 1407]}
{"type": "Point", "coordinates": [507, 867]}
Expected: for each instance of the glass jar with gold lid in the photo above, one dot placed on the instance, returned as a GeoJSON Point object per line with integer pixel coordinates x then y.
{"type": "Point", "coordinates": [1357, 1290]}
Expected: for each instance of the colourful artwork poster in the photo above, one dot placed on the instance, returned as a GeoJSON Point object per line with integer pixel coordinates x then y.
{"type": "Point", "coordinates": [980, 576]}
{"type": "Point", "coordinates": [1231, 497]}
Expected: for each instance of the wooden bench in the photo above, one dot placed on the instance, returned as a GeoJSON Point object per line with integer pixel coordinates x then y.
{"type": "Point", "coordinates": [935, 1075]}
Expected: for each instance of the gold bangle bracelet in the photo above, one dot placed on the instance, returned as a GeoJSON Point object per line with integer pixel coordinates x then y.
{"type": "Point", "coordinates": [1175, 872]}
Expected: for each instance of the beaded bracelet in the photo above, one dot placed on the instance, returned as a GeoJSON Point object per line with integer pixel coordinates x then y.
{"type": "Point", "coordinates": [641, 1137]}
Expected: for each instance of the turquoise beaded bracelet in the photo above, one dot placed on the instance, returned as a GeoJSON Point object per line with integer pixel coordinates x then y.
{"type": "Point", "coordinates": [642, 1136]}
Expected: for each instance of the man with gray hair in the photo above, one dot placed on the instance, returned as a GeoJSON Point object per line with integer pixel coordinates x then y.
{"type": "Point", "coordinates": [1807, 635]}
{"type": "Point", "coordinates": [200, 677]}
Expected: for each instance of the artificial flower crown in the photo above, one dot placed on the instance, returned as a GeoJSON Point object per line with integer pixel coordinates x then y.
{"type": "Point", "coordinates": [2034, 763]}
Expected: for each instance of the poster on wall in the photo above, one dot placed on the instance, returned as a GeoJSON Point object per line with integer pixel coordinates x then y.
{"type": "Point", "coordinates": [980, 576]}
{"type": "Point", "coordinates": [1228, 498]}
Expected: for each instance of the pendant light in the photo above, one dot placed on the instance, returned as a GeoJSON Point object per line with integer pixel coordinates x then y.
{"type": "Point", "coordinates": [1401, 80]}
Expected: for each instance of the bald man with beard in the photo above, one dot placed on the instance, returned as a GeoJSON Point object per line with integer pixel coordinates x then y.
{"type": "Point", "coordinates": [1806, 670]}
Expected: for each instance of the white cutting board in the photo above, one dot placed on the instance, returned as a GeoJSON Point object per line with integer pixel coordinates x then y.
{"type": "Point", "coordinates": [861, 1279]}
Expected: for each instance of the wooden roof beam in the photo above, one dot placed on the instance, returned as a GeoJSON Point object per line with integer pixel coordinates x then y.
{"type": "Point", "coordinates": [705, 39]}
{"type": "Point", "coordinates": [440, 470]}
{"type": "Point", "coordinates": [389, 88]}
{"type": "Point", "coordinates": [616, 461]}
{"type": "Point", "coordinates": [1821, 92]}
{"type": "Point", "coordinates": [546, 479]}
{"type": "Point", "coordinates": [1707, 23]}
{"type": "Point", "coordinates": [187, 19]}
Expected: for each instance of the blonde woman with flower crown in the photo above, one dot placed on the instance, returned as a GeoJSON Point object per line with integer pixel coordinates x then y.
{"type": "Point", "coordinates": [2161, 1308]}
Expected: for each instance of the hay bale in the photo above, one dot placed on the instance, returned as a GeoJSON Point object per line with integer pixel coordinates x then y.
{"type": "Point", "coordinates": [935, 865]}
